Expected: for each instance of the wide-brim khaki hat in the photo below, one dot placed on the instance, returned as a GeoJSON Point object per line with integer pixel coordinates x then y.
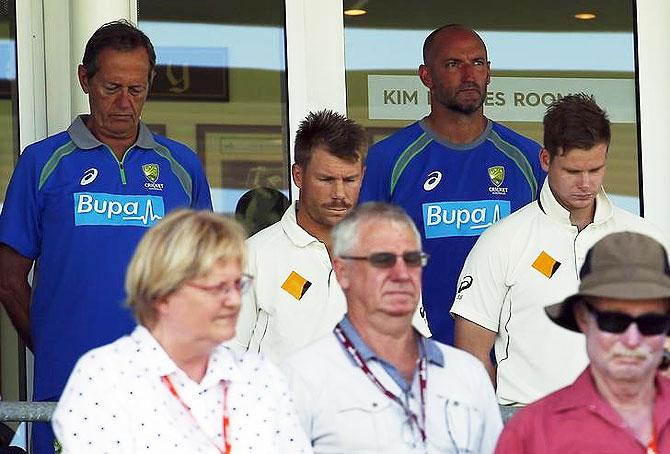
{"type": "Point", "coordinates": [623, 265]}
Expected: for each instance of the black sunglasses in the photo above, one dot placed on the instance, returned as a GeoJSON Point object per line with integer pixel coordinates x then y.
{"type": "Point", "coordinates": [650, 324]}
{"type": "Point", "coordinates": [665, 361]}
{"type": "Point", "coordinates": [387, 259]}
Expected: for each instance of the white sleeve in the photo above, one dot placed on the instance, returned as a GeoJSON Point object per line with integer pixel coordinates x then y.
{"type": "Point", "coordinates": [246, 321]}
{"type": "Point", "coordinates": [482, 285]}
{"type": "Point", "coordinates": [88, 417]}
{"type": "Point", "coordinates": [419, 320]}
{"type": "Point", "coordinates": [633, 223]}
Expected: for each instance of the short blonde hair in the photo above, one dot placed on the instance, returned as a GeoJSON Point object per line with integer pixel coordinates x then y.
{"type": "Point", "coordinates": [185, 245]}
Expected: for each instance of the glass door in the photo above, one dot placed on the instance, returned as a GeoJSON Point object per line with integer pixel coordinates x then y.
{"type": "Point", "coordinates": [536, 54]}
{"type": "Point", "coordinates": [220, 88]}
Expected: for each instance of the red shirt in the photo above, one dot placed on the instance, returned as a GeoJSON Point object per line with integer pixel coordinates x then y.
{"type": "Point", "coordinates": [576, 419]}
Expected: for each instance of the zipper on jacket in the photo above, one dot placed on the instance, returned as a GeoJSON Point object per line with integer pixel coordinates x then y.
{"type": "Point", "coordinates": [122, 169]}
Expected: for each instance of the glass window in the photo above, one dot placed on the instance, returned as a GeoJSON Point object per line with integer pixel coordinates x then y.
{"type": "Point", "coordinates": [220, 89]}
{"type": "Point", "coordinates": [536, 54]}
{"type": "Point", "coordinates": [9, 152]}
{"type": "Point", "coordinates": [9, 148]}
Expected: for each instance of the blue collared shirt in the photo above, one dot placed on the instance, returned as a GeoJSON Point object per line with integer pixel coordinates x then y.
{"type": "Point", "coordinates": [79, 212]}
{"type": "Point", "coordinates": [427, 349]}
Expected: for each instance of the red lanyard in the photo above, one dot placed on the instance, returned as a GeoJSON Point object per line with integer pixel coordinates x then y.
{"type": "Point", "coordinates": [226, 417]}
{"type": "Point", "coordinates": [652, 447]}
{"type": "Point", "coordinates": [358, 359]}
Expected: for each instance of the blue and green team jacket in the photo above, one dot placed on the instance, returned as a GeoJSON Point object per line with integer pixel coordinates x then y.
{"type": "Point", "coordinates": [452, 192]}
{"type": "Point", "coordinates": [79, 213]}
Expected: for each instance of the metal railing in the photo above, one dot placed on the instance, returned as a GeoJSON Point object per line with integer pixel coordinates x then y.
{"type": "Point", "coordinates": [507, 412]}
{"type": "Point", "coordinates": [26, 411]}
{"type": "Point", "coordinates": [41, 411]}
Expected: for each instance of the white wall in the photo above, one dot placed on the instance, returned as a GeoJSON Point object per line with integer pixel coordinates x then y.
{"type": "Point", "coordinates": [653, 24]}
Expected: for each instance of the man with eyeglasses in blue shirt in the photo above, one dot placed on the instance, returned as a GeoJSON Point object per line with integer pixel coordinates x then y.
{"type": "Point", "coordinates": [375, 384]}
{"type": "Point", "coordinates": [620, 403]}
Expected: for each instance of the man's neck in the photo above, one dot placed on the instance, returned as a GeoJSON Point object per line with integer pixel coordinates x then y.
{"type": "Point", "coordinates": [457, 127]}
{"type": "Point", "coordinates": [582, 217]}
{"type": "Point", "coordinates": [319, 231]}
{"type": "Point", "coordinates": [579, 217]}
{"type": "Point", "coordinates": [633, 401]}
{"type": "Point", "coordinates": [391, 339]}
{"type": "Point", "coordinates": [118, 145]}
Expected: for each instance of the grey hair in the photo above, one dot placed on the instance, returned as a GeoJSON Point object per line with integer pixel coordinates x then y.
{"type": "Point", "coordinates": [345, 235]}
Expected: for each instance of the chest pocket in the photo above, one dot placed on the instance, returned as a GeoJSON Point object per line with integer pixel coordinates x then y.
{"type": "Point", "coordinates": [363, 422]}
{"type": "Point", "coordinates": [455, 426]}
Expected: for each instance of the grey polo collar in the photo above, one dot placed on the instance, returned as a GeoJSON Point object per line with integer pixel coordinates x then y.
{"type": "Point", "coordinates": [423, 123]}
{"type": "Point", "coordinates": [85, 140]}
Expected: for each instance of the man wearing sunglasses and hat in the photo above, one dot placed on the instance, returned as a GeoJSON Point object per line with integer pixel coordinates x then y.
{"type": "Point", "coordinates": [375, 384]}
{"type": "Point", "coordinates": [620, 403]}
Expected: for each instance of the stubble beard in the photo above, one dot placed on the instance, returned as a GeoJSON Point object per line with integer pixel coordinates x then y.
{"type": "Point", "coordinates": [452, 103]}
{"type": "Point", "coordinates": [464, 108]}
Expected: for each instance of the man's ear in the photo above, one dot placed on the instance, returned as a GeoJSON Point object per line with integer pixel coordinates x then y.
{"type": "Point", "coordinates": [297, 173]}
{"type": "Point", "coordinates": [426, 77]}
{"type": "Point", "coordinates": [545, 159]}
{"type": "Point", "coordinates": [83, 78]}
{"type": "Point", "coordinates": [581, 315]}
{"type": "Point", "coordinates": [340, 269]}
{"type": "Point", "coordinates": [152, 76]}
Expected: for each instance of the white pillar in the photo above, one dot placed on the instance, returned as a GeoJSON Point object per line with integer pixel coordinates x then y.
{"type": "Point", "coordinates": [30, 77]}
{"type": "Point", "coordinates": [68, 24]}
{"type": "Point", "coordinates": [85, 17]}
{"type": "Point", "coordinates": [315, 46]}
{"type": "Point", "coordinates": [653, 47]}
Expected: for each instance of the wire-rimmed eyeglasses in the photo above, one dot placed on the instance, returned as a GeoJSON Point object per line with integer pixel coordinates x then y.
{"type": "Point", "coordinates": [224, 289]}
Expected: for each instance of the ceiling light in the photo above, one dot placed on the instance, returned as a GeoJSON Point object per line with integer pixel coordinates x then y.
{"type": "Point", "coordinates": [356, 8]}
{"type": "Point", "coordinates": [585, 16]}
{"type": "Point", "coordinates": [354, 12]}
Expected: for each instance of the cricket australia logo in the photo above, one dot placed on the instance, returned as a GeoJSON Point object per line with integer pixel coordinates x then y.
{"type": "Point", "coordinates": [497, 176]}
{"type": "Point", "coordinates": [151, 173]}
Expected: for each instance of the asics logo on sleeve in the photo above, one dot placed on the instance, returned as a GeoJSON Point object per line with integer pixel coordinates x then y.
{"type": "Point", "coordinates": [465, 283]}
{"type": "Point", "coordinates": [97, 208]}
{"type": "Point", "coordinates": [89, 176]}
{"type": "Point", "coordinates": [470, 218]}
{"type": "Point", "coordinates": [432, 181]}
